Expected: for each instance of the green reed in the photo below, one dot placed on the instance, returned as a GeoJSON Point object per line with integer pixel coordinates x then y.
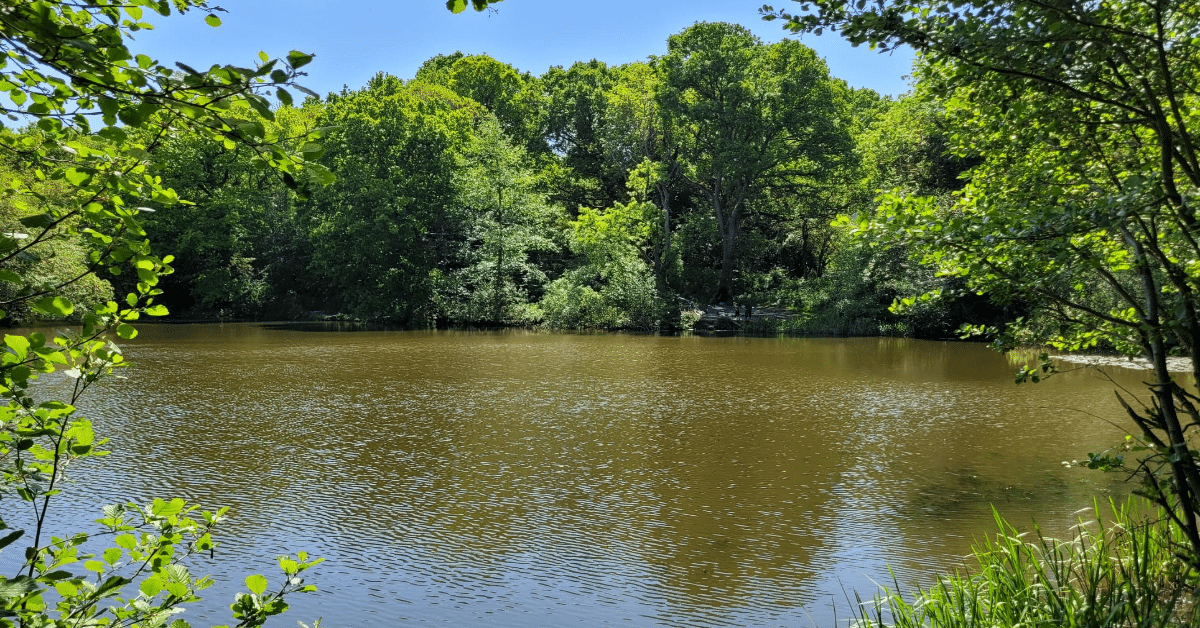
{"type": "Point", "coordinates": [1125, 571]}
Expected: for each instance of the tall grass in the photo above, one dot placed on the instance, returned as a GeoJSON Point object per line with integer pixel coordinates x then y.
{"type": "Point", "coordinates": [1116, 571]}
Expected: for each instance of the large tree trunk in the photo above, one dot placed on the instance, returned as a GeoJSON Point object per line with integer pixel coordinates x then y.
{"type": "Point", "coordinates": [498, 280]}
{"type": "Point", "coordinates": [725, 287]}
{"type": "Point", "coordinates": [728, 218]}
{"type": "Point", "coordinates": [664, 245]}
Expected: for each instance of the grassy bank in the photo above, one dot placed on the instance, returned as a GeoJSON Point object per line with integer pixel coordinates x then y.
{"type": "Point", "coordinates": [1120, 568]}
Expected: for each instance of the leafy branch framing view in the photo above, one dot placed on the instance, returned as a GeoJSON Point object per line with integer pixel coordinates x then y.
{"type": "Point", "coordinates": [95, 112]}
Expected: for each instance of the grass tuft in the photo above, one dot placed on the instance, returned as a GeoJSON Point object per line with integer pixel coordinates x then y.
{"type": "Point", "coordinates": [1121, 570]}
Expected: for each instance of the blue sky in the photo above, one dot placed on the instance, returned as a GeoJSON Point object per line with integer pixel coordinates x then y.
{"type": "Point", "coordinates": [354, 39]}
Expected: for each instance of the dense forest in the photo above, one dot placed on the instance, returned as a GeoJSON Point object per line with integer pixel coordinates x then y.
{"type": "Point", "coordinates": [592, 196]}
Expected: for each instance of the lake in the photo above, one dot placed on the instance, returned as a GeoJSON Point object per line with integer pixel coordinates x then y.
{"type": "Point", "coordinates": [517, 478]}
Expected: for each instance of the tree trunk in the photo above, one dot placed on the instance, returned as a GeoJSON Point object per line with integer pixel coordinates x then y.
{"type": "Point", "coordinates": [1164, 389]}
{"type": "Point", "coordinates": [725, 288]}
{"type": "Point", "coordinates": [664, 246]}
{"type": "Point", "coordinates": [498, 282]}
{"type": "Point", "coordinates": [728, 217]}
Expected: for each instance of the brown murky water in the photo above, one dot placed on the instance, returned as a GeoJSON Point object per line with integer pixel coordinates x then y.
{"type": "Point", "coordinates": [536, 479]}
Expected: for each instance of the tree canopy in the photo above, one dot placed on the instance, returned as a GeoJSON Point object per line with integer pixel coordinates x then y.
{"type": "Point", "coordinates": [748, 114]}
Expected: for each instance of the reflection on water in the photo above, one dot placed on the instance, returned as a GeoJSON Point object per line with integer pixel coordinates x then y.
{"type": "Point", "coordinates": [518, 479]}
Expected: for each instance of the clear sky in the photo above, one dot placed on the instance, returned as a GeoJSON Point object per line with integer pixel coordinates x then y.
{"type": "Point", "coordinates": [354, 39]}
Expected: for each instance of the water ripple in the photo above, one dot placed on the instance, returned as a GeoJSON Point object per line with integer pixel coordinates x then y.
{"type": "Point", "coordinates": [536, 479]}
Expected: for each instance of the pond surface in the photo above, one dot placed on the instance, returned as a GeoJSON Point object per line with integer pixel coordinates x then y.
{"type": "Point", "coordinates": [535, 479]}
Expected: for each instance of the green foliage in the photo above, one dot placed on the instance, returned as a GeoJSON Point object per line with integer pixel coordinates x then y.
{"type": "Point", "coordinates": [83, 186]}
{"type": "Point", "coordinates": [866, 285]}
{"type": "Point", "coordinates": [503, 221]}
{"type": "Point", "coordinates": [239, 244]}
{"type": "Point", "coordinates": [458, 6]}
{"type": "Point", "coordinates": [909, 147]}
{"type": "Point", "coordinates": [436, 69]}
{"type": "Point", "coordinates": [1116, 570]}
{"type": "Point", "coordinates": [393, 150]}
{"type": "Point", "coordinates": [514, 98]}
{"type": "Point", "coordinates": [852, 298]}
{"type": "Point", "coordinates": [571, 302]}
{"type": "Point", "coordinates": [621, 297]}
{"type": "Point", "coordinates": [417, 231]}
{"type": "Point", "coordinates": [746, 115]}
{"type": "Point", "coordinates": [576, 123]}
{"type": "Point", "coordinates": [616, 287]}
{"type": "Point", "coordinates": [696, 247]}
{"type": "Point", "coordinates": [61, 267]}
{"type": "Point", "coordinates": [622, 231]}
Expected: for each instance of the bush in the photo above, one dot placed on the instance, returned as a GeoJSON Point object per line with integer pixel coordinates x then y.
{"type": "Point", "coordinates": [621, 296]}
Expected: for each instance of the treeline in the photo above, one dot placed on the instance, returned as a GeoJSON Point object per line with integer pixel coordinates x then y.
{"type": "Point", "coordinates": [590, 196]}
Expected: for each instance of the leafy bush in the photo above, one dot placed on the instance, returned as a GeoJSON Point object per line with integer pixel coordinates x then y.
{"type": "Point", "coordinates": [621, 296]}
{"type": "Point", "coordinates": [570, 305]}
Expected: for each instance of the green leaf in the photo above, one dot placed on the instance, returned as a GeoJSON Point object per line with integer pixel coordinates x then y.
{"type": "Point", "coordinates": [256, 583]}
{"type": "Point", "coordinates": [126, 331]}
{"type": "Point", "coordinates": [157, 310]}
{"type": "Point", "coordinates": [53, 306]}
{"type": "Point", "coordinates": [109, 106]}
{"type": "Point", "coordinates": [77, 177]}
{"type": "Point", "coordinates": [151, 586]}
{"type": "Point", "coordinates": [212, 21]}
{"type": "Point", "coordinates": [61, 574]}
{"type": "Point", "coordinates": [312, 151]}
{"type": "Point", "coordinates": [298, 59]}
{"type": "Point", "coordinates": [17, 587]}
{"type": "Point", "coordinates": [18, 344]}
{"type": "Point", "coordinates": [38, 221]}
{"type": "Point", "coordinates": [166, 508]}
{"type": "Point", "coordinates": [131, 116]}
{"type": "Point", "coordinates": [8, 539]}
{"type": "Point", "coordinates": [321, 175]}
{"type": "Point", "coordinates": [456, 6]}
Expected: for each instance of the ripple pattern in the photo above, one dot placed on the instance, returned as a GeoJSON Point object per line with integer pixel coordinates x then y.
{"type": "Point", "coordinates": [522, 479]}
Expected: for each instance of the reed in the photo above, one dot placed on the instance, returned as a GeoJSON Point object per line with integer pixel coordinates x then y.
{"type": "Point", "coordinates": [1122, 569]}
